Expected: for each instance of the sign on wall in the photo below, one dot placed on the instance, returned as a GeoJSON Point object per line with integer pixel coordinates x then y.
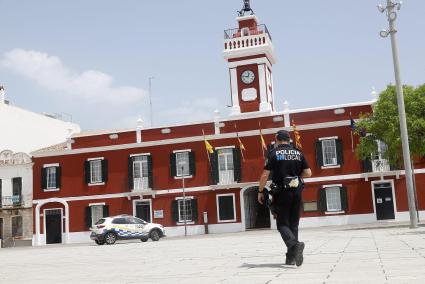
{"type": "Point", "coordinates": [158, 214]}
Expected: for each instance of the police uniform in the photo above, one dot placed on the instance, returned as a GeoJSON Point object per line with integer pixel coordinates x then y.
{"type": "Point", "coordinates": [286, 164]}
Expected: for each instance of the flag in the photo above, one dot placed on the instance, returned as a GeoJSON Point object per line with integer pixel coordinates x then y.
{"type": "Point", "coordinates": [352, 123]}
{"type": "Point", "coordinates": [241, 147]}
{"type": "Point", "coordinates": [297, 137]}
{"type": "Point", "coordinates": [263, 143]}
{"type": "Point", "coordinates": [208, 146]}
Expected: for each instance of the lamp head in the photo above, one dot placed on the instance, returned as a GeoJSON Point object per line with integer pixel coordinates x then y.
{"type": "Point", "coordinates": [384, 33]}
{"type": "Point", "coordinates": [381, 8]}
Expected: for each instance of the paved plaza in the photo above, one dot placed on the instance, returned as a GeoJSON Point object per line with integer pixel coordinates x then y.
{"type": "Point", "coordinates": [389, 254]}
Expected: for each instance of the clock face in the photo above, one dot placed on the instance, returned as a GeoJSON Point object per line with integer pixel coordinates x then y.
{"type": "Point", "coordinates": [248, 77]}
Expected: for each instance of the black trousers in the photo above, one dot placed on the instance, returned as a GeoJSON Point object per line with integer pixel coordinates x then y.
{"type": "Point", "coordinates": [288, 210]}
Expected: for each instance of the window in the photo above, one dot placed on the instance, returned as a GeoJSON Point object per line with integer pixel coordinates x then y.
{"type": "Point", "coordinates": [329, 152]}
{"type": "Point", "coordinates": [96, 213]}
{"type": "Point", "coordinates": [96, 171]}
{"type": "Point", "coordinates": [140, 172]}
{"type": "Point", "coordinates": [17, 191]}
{"type": "Point", "coordinates": [185, 210]}
{"type": "Point", "coordinates": [226, 208]}
{"type": "Point", "coordinates": [333, 199]}
{"type": "Point", "coordinates": [51, 177]}
{"type": "Point", "coordinates": [226, 166]}
{"type": "Point", "coordinates": [17, 226]}
{"type": "Point", "coordinates": [182, 164]}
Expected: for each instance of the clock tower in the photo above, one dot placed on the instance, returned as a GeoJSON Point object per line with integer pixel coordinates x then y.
{"type": "Point", "coordinates": [250, 54]}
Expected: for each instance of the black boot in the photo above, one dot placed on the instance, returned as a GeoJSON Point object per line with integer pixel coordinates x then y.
{"type": "Point", "coordinates": [290, 259]}
{"type": "Point", "coordinates": [298, 250]}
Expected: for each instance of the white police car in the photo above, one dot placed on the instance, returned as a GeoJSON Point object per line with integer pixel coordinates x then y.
{"type": "Point", "coordinates": [124, 227]}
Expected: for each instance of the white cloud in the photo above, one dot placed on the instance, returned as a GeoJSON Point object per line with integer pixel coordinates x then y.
{"type": "Point", "coordinates": [49, 72]}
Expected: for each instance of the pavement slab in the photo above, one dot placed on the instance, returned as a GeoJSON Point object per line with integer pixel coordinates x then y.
{"type": "Point", "coordinates": [346, 254]}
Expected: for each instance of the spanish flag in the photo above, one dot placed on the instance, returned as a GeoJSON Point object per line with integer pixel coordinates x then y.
{"type": "Point", "coordinates": [241, 147]}
{"type": "Point", "coordinates": [297, 137]}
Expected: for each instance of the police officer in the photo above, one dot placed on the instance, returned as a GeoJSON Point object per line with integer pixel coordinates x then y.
{"type": "Point", "coordinates": [288, 166]}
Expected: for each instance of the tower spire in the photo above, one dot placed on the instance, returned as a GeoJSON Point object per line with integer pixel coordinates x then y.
{"type": "Point", "coordinates": [246, 8]}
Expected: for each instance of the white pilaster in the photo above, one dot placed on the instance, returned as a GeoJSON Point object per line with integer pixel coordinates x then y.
{"type": "Point", "coordinates": [235, 93]}
{"type": "Point", "coordinates": [264, 104]}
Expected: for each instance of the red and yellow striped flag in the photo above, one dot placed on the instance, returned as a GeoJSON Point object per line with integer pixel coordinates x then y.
{"type": "Point", "coordinates": [263, 143]}
{"type": "Point", "coordinates": [297, 137]}
{"type": "Point", "coordinates": [241, 147]}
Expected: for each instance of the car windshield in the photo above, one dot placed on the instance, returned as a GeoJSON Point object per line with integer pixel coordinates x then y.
{"type": "Point", "coordinates": [101, 221]}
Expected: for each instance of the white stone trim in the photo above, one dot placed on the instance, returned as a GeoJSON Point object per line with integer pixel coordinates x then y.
{"type": "Point", "coordinates": [259, 60]}
{"type": "Point", "coordinates": [95, 159]}
{"type": "Point", "coordinates": [334, 212]}
{"type": "Point", "coordinates": [332, 185]}
{"type": "Point", "coordinates": [225, 147]}
{"type": "Point", "coordinates": [192, 139]}
{"type": "Point", "coordinates": [97, 204]}
{"type": "Point", "coordinates": [330, 167]}
{"type": "Point", "coordinates": [51, 189]}
{"type": "Point", "coordinates": [181, 177]}
{"type": "Point", "coordinates": [327, 138]}
{"type": "Point", "coordinates": [181, 197]}
{"type": "Point", "coordinates": [96, 184]}
{"type": "Point", "coordinates": [50, 165]}
{"type": "Point", "coordinates": [182, 151]}
{"type": "Point", "coordinates": [141, 154]}
{"type": "Point", "coordinates": [218, 208]}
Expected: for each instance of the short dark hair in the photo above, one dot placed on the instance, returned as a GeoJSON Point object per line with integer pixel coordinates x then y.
{"type": "Point", "coordinates": [283, 135]}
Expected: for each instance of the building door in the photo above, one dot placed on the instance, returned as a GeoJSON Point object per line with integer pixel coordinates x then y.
{"type": "Point", "coordinates": [257, 216]}
{"type": "Point", "coordinates": [53, 219]}
{"type": "Point", "coordinates": [143, 210]}
{"type": "Point", "coordinates": [384, 201]}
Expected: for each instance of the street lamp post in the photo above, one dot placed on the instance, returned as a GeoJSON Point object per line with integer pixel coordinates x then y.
{"type": "Point", "coordinates": [184, 200]}
{"type": "Point", "coordinates": [390, 10]}
{"type": "Point", "coordinates": [150, 99]}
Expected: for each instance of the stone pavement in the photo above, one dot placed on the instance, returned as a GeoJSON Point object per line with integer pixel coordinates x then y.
{"type": "Point", "coordinates": [332, 255]}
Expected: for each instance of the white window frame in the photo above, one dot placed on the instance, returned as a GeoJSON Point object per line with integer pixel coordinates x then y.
{"type": "Point", "coordinates": [135, 201]}
{"type": "Point", "coordinates": [188, 175]}
{"type": "Point", "coordinates": [47, 166]}
{"type": "Point", "coordinates": [332, 165]}
{"type": "Point", "coordinates": [333, 211]}
{"type": "Point", "coordinates": [92, 205]}
{"type": "Point", "coordinates": [141, 171]}
{"type": "Point", "coordinates": [91, 171]}
{"type": "Point", "coordinates": [55, 187]}
{"type": "Point", "coordinates": [221, 182]}
{"type": "Point", "coordinates": [218, 208]}
{"type": "Point", "coordinates": [181, 222]}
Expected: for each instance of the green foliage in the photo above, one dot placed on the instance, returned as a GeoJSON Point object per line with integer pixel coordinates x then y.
{"type": "Point", "coordinates": [384, 124]}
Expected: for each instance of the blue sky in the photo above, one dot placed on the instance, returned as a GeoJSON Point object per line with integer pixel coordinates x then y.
{"type": "Point", "coordinates": [92, 59]}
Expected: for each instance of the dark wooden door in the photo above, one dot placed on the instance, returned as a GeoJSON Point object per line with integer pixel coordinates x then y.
{"type": "Point", "coordinates": [384, 201]}
{"type": "Point", "coordinates": [143, 210]}
{"type": "Point", "coordinates": [53, 227]}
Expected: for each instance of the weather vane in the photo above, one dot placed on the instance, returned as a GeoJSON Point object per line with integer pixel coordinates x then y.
{"type": "Point", "coordinates": [246, 8]}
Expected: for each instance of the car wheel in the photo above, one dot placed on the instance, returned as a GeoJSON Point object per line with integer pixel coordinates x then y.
{"type": "Point", "coordinates": [110, 238]}
{"type": "Point", "coordinates": [144, 239]}
{"type": "Point", "coordinates": [99, 242]}
{"type": "Point", "coordinates": [155, 235]}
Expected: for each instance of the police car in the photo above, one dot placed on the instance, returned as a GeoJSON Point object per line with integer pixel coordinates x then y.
{"type": "Point", "coordinates": [124, 227]}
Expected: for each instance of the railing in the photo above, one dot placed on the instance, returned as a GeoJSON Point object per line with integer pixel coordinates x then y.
{"type": "Point", "coordinates": [238, 33]}
{"type": "Point", "coordinates": [380, 165]}
{"type": "Point", "coordinates": [11, 201]}
{"type": "Point", "coordinates": [246, 37]}
{"type": "Point", "coordinates": [226, 177]}
{"type": "Point", "coordinates": [141, 184]}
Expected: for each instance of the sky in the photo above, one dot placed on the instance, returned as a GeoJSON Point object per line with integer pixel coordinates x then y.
{"type": "Point", "coordinates": [91, 60]}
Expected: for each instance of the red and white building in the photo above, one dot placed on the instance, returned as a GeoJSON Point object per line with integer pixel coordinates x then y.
{"type": "Point", "coordinates": [140, 171]}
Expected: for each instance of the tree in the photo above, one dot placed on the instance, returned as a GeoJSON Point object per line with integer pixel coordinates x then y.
{"type": "Point", "coordinates": [384, 125]}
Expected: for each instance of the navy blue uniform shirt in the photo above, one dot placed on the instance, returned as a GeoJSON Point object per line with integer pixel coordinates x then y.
{"type": "Point", "coordinates": [285, 161]}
